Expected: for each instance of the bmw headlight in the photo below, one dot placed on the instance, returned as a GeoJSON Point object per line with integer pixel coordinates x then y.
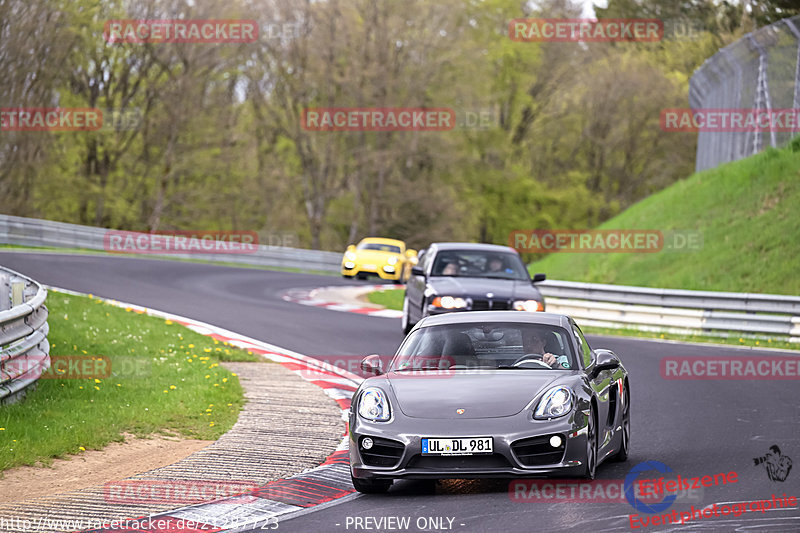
{"type": "Point", "coordinates": [350, 256]}
{"type": "Point", "coordinates": [449, 302]}
{"type": "Point", "coordinates": [555, 403]}
{"type": "Point", "coordinates": [392, 260]}
{"type": "Point", "coordinates": [373, 405]}
{"type": "Point", "coordinates": [528, 305]}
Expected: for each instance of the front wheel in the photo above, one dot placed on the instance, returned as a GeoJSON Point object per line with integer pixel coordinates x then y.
{"type": "Point", "coordinates": [624, 447]}
{"type": "Point", "coordinates": [405, 322]}
{"type": "Point", "coordinates": [371, 486]}
{"type": "Point", "coordinates": [591, 447]}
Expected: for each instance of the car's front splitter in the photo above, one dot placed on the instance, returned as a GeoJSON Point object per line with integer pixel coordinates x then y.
{"type": "Point", "coordinates": [504, 430]}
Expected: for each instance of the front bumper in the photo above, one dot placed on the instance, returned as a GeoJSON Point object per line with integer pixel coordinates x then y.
{"type": "Point", "coordinates": [503, 462]}
{"type": "Point", "coordinates": [387, 272]}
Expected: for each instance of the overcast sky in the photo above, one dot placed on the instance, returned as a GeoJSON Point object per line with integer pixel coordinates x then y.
{"type": "Point", "coordinates": [587, 7]}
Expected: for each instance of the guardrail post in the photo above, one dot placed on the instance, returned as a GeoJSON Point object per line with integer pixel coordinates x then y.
{"type": "Point", "coordinates": [17, 293]}
{"type": "Point", "coordinates": [5, 293]}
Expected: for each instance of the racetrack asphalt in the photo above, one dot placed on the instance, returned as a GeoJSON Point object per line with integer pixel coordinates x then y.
{"type": "Point", "coordinates": [695, 427]}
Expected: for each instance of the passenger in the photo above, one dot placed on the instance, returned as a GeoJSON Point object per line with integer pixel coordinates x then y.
{"type": "Point", "coordinates": [495, 264]}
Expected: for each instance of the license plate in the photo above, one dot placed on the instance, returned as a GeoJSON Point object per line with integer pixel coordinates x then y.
{"type": "Point", "coordinates": [370, 267]}
{"type": "Point", "coordinates": [457, 446]}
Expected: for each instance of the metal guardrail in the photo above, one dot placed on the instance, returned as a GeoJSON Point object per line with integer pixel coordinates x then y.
{"type": "Point", "coordinates": [717, 314]}
{"type": "Point", "coordinates": [37, 232]}
{"type": "Point", "coordinates": [613, 306]}
{"type": "Point", "coordinates": [24, 349]}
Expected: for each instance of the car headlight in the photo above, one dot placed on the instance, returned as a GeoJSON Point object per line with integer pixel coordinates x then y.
{"type": "Point", "coordinates": [392, 260]}
{"type": "Point", "coordinates": [449, 302]}
{"type": "Point", "coordinates": [555, 403]}
{"type": "Point", "coordinates": [350, 256]}
{"type": "Point", "coordinates": [528, 305]}
{"type": "Point", "coordinates": [373, 405]}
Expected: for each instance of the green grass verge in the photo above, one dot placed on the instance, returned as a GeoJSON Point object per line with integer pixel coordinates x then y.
{"type": "Point", "coordinates": [393, 299]}
{"type": "Point", "coordinates": [389, 298]}
{"type": "Point", "coordinates": [164, 379]}
{"type": "Point", "coordinates": [733, 340]}
{"type": "Point", "coordinates": [86, 251]}
{"type": "Point", "coordinates": [747, 213]}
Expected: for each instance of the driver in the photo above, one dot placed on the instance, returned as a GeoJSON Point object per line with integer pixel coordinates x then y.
{"type": "Point", "coordinates": [534, 343]}
{"type": "Point", "coordinates": [495, 264]}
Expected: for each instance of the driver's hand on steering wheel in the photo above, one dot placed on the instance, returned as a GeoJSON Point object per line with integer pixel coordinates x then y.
{"type": "Point", "coordinates": [549, 358]}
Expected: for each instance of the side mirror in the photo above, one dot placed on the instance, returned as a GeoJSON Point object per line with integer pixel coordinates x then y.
{"type": "Point", "coordinates": [538, 277]}
{"type": "Point", "coordinates": [606, 360]}
{"type": "Point", "coordinates": [417, 271]}
{"type": "Point", "coordinates": [351, 248]}
{"type": "Point", "coordinates": [411, 253]}
{"type": "Point", "coordinates": [371, 364]}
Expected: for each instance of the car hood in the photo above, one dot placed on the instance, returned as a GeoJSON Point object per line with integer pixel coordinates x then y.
{"type": "Point", "coordinates": [502, 289]}
{"type": "Point", "coordinates": [375, 256]}
{"type": "Point", "coordinates": [487, 394]}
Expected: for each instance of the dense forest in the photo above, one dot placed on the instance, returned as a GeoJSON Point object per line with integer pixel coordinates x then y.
{"type": "Point", "coordinates": [549, 134]}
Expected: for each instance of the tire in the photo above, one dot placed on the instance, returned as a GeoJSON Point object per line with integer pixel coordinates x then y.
{"type": "Point", "coordinates": [624, 448]}
{"type": "Point", "coordinates": [371, 486]}
{"type": "Point", "coordinates": [591, 447]}
{"type": "Point", "coordinates": [405, 322]}
{"type": "Point", "coordinates": [345, 276]}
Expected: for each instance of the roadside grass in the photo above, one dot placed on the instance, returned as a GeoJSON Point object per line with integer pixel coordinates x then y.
{"type": "Point", "coordinates": [164, 379]}
{"type": "Point", "coordinates": [731, 340]}
{"type": "Point", "coordinates": [393, 299]}
{"type": "Point", "coordinates": [87, 251]}
{"type": "Point", "coordinates": [747, 212]}
{"type": "Point", "coordinates": [388, 298]}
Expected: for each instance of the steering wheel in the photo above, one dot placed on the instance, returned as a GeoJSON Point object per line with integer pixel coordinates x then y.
{"type": "Point", "coordinates": [532, 358]}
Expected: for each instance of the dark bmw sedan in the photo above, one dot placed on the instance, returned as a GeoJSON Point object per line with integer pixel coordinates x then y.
{"type": "Point", "coordinates": [457, 276]}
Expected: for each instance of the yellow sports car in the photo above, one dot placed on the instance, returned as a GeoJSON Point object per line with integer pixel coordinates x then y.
{"type": "Point", "coordinates": [386, 258]}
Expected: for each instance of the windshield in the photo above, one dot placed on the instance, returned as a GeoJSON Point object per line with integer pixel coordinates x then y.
{"type": "Point", "coordinates": [380, 247]}
{"type": "Point", "coordinates": [485, 346]}
{"type": "Point", "coordinates": [479, 264]}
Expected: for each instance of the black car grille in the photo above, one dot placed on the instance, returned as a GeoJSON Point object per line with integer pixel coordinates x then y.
{"type": "Point", "coordinates": [384, 452]}
{"type": "Point", "coordinates": [494, 305]}
{"type": "Point", "coordinates": [537, 451]}
{"type": "Point", "coordinates": [458, 462]}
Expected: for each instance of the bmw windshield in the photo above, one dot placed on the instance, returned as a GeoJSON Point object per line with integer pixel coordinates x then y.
{"type": "Point", "coordinates": [479, 264]}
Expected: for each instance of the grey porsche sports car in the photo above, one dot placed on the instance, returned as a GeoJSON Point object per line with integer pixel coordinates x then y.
{"type": "Point", "coordinates": [489, 394]}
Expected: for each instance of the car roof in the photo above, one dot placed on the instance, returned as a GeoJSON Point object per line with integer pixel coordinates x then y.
{"type": "Point", "coordinates": [522, 317]}
{"type": "Point", "coordinates": [383, 240]}
{"type": "Point", "coordinates": [472, 246]}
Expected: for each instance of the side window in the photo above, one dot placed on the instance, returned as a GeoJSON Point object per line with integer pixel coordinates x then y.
{"type": "Point", "coordinates": [584, 346]}
{"type": "Point", "coordinates": [425, 260]}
